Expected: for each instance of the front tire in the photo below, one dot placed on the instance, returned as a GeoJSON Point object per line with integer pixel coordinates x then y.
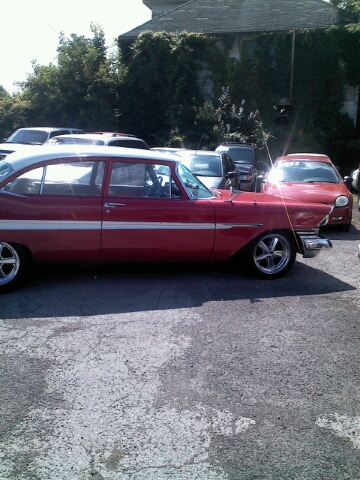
{"type": "Point", "coordinates": [271, 255]}
{"type": "Point", "coordinates": [14, 264]}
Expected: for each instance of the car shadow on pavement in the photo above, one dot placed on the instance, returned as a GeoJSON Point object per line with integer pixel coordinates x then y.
{"type": "Point", "coordinates": [334, 234]}
{"type": "Point", "coordinates": [87, 290]}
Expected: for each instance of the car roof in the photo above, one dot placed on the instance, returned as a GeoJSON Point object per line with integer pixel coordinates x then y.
{"type": "Point", "coordinates": [50, 129]}
{"type": "Point", "coordinates": [90, 136]}
{"type": "Point", "coordinates": [99, 136]}
{"type": "Point", "coordinates": [313, 157]}
{"type": "Point", "coordinates": [114, 134]}
{"type": "Point", "coordinates": [36, 154]}
{"type": "Point", "coordinates": [186, 153]}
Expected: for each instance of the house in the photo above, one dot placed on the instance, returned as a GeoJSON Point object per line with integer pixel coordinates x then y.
{"type": "Point", "coordinates": [244, 20]}
{"type": "Point", "coordinates": [214, 17]}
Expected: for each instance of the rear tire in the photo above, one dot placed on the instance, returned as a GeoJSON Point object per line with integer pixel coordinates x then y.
{"type": "Point", "coordinates": [271, 255]}
{"type": "Point", "coordinates": [14, 266]}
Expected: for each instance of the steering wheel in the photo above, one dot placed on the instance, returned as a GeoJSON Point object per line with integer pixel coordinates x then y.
{"type": "Point", "coordinates": [155, 191]}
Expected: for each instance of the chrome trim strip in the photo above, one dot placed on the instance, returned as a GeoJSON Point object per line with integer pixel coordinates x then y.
{"type": "Point", "coordinates": [107, 225]}
{"type": "Point", "coordinates": [312, 245]}
{"type": "Point", "coordinates": [156, 226]}
{"type": "Point", "coordinates": [225, 226]}
{"type": "Point", "coordinates": [48, 225]}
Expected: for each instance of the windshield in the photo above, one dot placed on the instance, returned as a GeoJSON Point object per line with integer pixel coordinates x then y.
{"type": "Point", "coordinates": [28, 137]}
{"type": "Point", "coordinates": [303, 172]}
{"type": "Point", "coordinates": [193, 186]}
{"type": "Point", "coordinates": [5, 170]}
{"type": "Point", "coordinates": [203, 165]}
{"type": "Point", "coordinates": [242, 155]}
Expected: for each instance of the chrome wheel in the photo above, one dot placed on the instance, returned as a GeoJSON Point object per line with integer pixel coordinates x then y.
{"type": "Point", "coordinates": [9, 263]}
{"type": "Point", "coordinates": [273, 255]}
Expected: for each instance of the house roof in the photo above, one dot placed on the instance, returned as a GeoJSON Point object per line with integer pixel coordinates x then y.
{"type": "Point", "coordinates": [241, 16]}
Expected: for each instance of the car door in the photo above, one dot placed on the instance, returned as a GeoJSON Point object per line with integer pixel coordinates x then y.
{"type": "Point", "coordinates": [55, 210]}
{"type": "Point", "coordinates": [146, 215]}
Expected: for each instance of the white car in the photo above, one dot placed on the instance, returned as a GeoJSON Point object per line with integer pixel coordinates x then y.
{"type": "Point", "coordinates": [22, 138]}
{"type": "Point", "coordinates": [355, 179]}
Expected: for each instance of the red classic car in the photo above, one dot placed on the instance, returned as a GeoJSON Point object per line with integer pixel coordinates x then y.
{"type": "Point", "coordinates": [312, 178]}
{"type": "Point", "coordinates": [87, 203]}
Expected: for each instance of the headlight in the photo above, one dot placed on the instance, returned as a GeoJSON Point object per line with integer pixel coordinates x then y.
{"type": "Point", "coordinates": [341, 201]}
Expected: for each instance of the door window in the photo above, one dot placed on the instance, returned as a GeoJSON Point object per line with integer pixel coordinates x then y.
{"type": "Point", "coordinates": [78, 178]}
{"type": "Point", "coordinates": [142, 180]}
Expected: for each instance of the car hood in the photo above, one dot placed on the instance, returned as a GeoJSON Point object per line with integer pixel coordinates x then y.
{"type": "Point", "coordinates": [308, 192]}
{"type": "Point", "coordinates": [244, 167]}
{"type": "Point", "coordinates": [9, 147]}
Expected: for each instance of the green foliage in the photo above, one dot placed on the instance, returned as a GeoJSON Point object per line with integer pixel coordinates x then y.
{"type": "Point", "coordinates": [224, 121]}
{"type": "Point", "coordinates": [160, 90]}
{"type": "Point", "coordinates": [81, 90]}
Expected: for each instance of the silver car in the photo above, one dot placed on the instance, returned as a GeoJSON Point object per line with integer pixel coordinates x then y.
{"type": "Point", "coordinates": [213, 169]}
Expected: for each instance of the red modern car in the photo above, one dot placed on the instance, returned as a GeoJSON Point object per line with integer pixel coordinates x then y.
{"type": "Point", "coordinates": [72, 203]}
{"type": "Point", "coordinates": [312, 178]}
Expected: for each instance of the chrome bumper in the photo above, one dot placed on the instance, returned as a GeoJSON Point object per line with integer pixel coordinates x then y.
{"type": "Point", "coordinates": [312, 245]}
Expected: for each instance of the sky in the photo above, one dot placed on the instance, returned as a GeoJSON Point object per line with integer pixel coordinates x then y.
{"type": "Point", "coordinates": [30, 29]}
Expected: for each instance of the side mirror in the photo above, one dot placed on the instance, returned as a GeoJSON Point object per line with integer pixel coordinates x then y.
{"type": "Point", "coordinates": [231, 175]}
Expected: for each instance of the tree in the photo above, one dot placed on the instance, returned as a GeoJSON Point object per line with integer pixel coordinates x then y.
{"type": "Point", "coordinates": [160, 91]}
{"type": "Point", "coordinates": [81, 90]}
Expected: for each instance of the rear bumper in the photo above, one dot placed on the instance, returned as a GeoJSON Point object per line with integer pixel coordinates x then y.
{"type": "Point", "coordinates": [312, 245]}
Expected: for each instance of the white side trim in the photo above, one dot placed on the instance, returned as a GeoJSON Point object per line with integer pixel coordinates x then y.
{"type": "Point", "coordinates": [48, 225]}
{"type": "Point", "coordinates": [157, 226]}
{"type": "Point", "coordinates": [35, 225]}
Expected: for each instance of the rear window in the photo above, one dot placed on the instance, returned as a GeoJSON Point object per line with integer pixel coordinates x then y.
{"type": "Point", "coordinates": [129, 143]}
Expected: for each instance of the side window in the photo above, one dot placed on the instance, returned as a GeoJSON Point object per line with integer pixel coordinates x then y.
{"type": "Point", "coordinates": [55, 133]}
{"type": "Point", "coordinates": [228, 164]}
{"type": "Point", "coordinates": [28, 183]}
{"type": "Point", "coordinates": [141, 180]}
{"type": "Point", "coordinates": [78, 178]}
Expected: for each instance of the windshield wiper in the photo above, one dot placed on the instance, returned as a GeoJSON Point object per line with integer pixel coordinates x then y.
{"type": "Point", "coordinates": [320, 181]}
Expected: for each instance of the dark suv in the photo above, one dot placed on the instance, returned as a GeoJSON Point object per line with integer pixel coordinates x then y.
{"type": "Point", "coordinates": [246, 157]}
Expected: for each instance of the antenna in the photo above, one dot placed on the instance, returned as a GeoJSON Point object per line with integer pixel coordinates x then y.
{"type": "Point", "coordinates": [197, 148]}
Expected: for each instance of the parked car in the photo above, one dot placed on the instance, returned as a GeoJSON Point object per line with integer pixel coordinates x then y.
{"type": "Point", "coordinates": [215, 169]}
{"type": "Point", "coordinates": [167, 149]}
{"type": "Point", "coordinates": [247, 158]}
{"type": "Point", "coordinates": [355, 180]}
{"type": "Point", "coordinates": [78, 204]}
{"type": "Point", "coordinates": [6, 149]}
{"type": "Point", "coordinates": [39, 135]}
{"type": "Point", "coordinates": [32, 136]}
{"type": "Point", "coordinates": [114, 134]}
{"type": "Point", "coordinates": [312, 178]}
{"type": "Point", "coordinates": [109, 139]}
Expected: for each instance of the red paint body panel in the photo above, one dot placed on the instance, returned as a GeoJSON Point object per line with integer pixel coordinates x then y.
{"type": "Point", "coordinates": [157, 242]}
{"type": "Point", "coordinates": [54, 245]}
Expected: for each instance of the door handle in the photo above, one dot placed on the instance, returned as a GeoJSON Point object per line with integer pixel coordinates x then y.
{"type": "Point", "coordinates": [112, 204]}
